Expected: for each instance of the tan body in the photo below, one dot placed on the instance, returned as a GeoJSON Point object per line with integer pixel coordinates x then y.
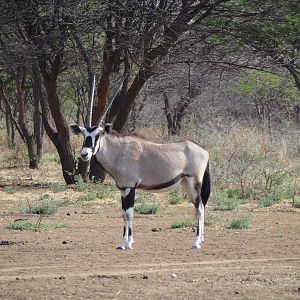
{"type": "Point", "coordinates": [137, 163]}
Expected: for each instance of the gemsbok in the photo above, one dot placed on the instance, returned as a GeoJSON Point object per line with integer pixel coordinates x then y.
{"type": "Point", "coordinates": [137, 163]}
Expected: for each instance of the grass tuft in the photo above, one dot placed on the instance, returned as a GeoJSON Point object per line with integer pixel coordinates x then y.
{"type": "Point", "coordinates": [242, 222]}
{"type": "Point", "coordinates": [225, 201]}
{"type": "Point", "coordinates": [88, 196]}
{"type": "Point", "coordinates": [269, 200]}
{"type": "Point", "coordinates": [44, 206]}
{"type": "Point", "coordinates": [175, 197]}
{"type": "Point", "coordinates": [57, 187]}
{"type": "Point", "coordinates": [10, 190]}
{"type": "Point", "coordinates": [19, 225]}
{"type": "Point", "coordinates": [185, 223]}
{"type": "Point", "coordinates": [146, 209]}
{"type": "Point", "coordinates": [210, 220]}
{"type": "Point", "coordinates": [296, 203]}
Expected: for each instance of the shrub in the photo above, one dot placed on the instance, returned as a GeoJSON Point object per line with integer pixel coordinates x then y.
{"type": "Point", "coordinates": [175, 197]}
{"type": "Point", "coordinates": [56, 187]}
{"type": "Point", "coordinates": [89, 196]}
{"type": "Point", "coordinates": [19, 225]}
{"type": "Point", "coordinates": [210, 220]}
{"type": "Point", "coordinates": [44, 206]}
{"type": "Point", "coordinates": [146, 209]}
{"type": "Point", "coordinates": [270, 199]}
{"type": "Point", "coordinates": [185, 223]}
{"type": "Point", "coordinates": [104, 191]}
{"type": "Point", "coordinates": [221, 201]}
{"type": "Point", "coordinates": [296, 202]}
{"type": "Point", "coordinates": [80, 185]}
{"type": "Point", "coordinates": [10, 190]}
{"type": "Point", "coordinates": [242, 222]}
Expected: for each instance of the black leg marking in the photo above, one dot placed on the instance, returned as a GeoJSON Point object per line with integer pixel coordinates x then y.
{"type": "Point", "coordinates": [128, 201]}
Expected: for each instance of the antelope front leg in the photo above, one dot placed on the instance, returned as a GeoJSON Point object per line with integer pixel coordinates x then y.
{"type": "Point", "coordinates": [127, 196]}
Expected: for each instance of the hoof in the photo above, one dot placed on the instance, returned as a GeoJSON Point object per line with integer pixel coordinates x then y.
{"type": "Point", "coordinates": [120, 248]}
{"type": "Point", "coordinates": [196, 244]}
{"type": "Point", "coordinates": [124, 246]}
{"type": "Point", "coordinates": [196, 247]}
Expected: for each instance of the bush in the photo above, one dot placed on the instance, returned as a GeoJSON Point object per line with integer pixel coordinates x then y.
{"type": "Point", "coordinates": [19, 225]}
{"type": "Point", "coordinates": [269, 200]}
{"type": "Point", "coordinates": [175, 197]}
{"type": "Point", "coordinates": [44, 206]}
{"type": "Point", "coordinates": [221, 201]}
{"type": "Point", "coordinates": [89, 196]}
{"type": "Point", "coordinates": [210, 220]}
{"type": "Point", "coordinates": [56, 187]}
{"type": "Point", "coordinates": [296, 202]}
{"type": "Point", "coordinates": [185, 223]}
{"type": "Point", "coordinates": [242, 222]}
{"type": "Point", "coordinates": [146, 209]}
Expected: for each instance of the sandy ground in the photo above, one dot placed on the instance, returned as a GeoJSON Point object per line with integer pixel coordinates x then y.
{"type": "Point", "coordinates": [81, 262]}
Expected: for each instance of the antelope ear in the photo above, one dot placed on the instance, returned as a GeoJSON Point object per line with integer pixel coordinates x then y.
{"type": "Point", "coordinates": [76, 129]}
{"type": "Point", "coordinates": [108, 128]}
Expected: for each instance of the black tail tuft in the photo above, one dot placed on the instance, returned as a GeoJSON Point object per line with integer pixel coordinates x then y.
{"type": "Point", "coordinates": [206, 184]}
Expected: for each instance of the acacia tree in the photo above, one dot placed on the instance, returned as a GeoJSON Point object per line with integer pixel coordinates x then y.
{"type": "Point", "coordinates": [131, 36]}
{"type": "Point", "coordinates": [266, 31]}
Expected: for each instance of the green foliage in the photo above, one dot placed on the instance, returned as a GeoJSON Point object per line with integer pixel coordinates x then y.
{"type": "Point", "coordinates": [242, 222]}
{"type": "Point", "coordinates": [270, 199]}
{"type": "Point", "coordinates": [175, 197]}
{"type": "Point", "coordinates": [142, 203]}
{"type": "Point", "coordinates": [19, 225]}
{"type": "Point", "coordinates": [146, 209]}
{"type": "Point", "coordinates": [266, 89]}
{"type": "Point", "coordinates": [104, 191]}
{"type": "Point", "coordinates": [185, 223]}
{"type": "Point", "coordinates": [81, 186]}
{"type": "Point", "coordinates": [57, 187]}
{"type": "Point", "coordinates": [296, 202]}
{"type": "Point", "coordinates": [210, 220]}
{"type": "Point", "coordinates": [44, 206]}
{"type": "Point", "coordinates": [226, 200]}
{"type": "Point", "coordinates": [10, 190]}
{"type": "Point", "coordinates": [88, 196]}
{"type": "Point", "coordinates": [50, 158]}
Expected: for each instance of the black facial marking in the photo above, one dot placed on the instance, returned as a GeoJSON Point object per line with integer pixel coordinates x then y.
{"type": "Point", "coordinates": [128, 201]}
{"type": "Point", "coordinates": [88, 142]}
{"type": "Point", "coordinates": [96, 139]}
{"type": "Point", "coordinates": [91, 129]}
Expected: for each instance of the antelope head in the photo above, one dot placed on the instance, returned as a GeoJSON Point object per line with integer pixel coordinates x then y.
{"type": "Point", "coordinates": [93, 134]}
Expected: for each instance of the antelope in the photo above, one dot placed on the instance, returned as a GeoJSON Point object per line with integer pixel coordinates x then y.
{"type": "Point", "coordinates": [137, 163]}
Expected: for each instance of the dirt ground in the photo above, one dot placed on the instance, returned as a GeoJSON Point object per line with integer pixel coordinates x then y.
{"type": "Point", "coordinates": [81, 262]}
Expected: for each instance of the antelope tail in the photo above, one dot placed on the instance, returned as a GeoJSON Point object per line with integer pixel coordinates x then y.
{"type": "Point", "coordinates": [206, 185]}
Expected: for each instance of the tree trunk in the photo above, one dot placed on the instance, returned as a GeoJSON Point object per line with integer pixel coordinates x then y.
{"type": "Point", "coordinates": [61, 137]}
{"type": "Point", "coordinates": [29, 138]}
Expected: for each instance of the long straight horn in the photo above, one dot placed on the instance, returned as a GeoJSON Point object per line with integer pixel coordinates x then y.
{"type": "Point", "coordinates": [90, 106]}
{"type": "Point", "coordinates": [111, 100]}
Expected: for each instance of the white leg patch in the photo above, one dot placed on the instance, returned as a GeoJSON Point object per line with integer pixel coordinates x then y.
{"type": "Point", "coordinates": [200, 223]}
{"type": "Point", "coordinates": [128, 224]}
